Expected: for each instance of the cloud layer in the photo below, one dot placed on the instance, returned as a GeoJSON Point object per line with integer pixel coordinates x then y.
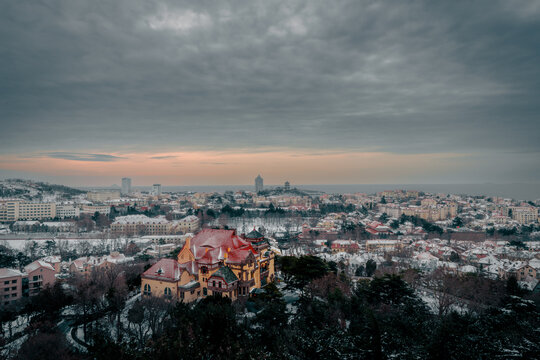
{"type": "Point", "coordinates": [83, 156]}
{"type": "Point", "coordinates": [79, 79]}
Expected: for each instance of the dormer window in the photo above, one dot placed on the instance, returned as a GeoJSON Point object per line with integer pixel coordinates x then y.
{"type": "Point", "coordinates": [159, 271]}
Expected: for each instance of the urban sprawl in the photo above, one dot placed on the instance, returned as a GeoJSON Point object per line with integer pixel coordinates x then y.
{"type": "Point", "coordinates": [185, 246]}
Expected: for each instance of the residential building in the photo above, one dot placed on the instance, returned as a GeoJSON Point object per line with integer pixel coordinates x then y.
{"type": "Point", "coordinates": [15, 284]}
{"type": "Point", "coordinates": [10, 286]}
{"type": "Point", "coordinates": [102, 196]}
{"type": "Point", "coordinates": [92, 209]}
{"type": "Point", "coordinates": [64, 211]}
{"type": "Point", "coordinates": [84, 265]}
{"type": "Point", "coordinates": [54, 261]}
{"type": "Point", "coordinates": [14, 210]}
{"type": "Point", "coordinates": [523, 214]}
{"type": "Point", "coordinates": [141, 225]}
{"type": "Point", "coordinates": [39, 274]}
{"type": "Point", "coordinates": [188, 224]}
{"type": "Point", "coordinates": [345, 246]}
{"type": "Point", "coordinates": [382, 244]}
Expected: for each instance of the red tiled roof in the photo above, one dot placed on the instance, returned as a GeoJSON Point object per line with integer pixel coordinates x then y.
{"type": "Point", "coordinates": [164, 269]}
{"type": "Point", "coordinates": [239, 256]}
{"type": "Point", "coordinates": [211, 246]}
{"type": "Point", "coordinates": [214, 238]}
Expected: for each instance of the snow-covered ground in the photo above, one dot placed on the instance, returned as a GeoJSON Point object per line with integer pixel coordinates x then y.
{"type": "Point", "coordinates": [72, 243]}
{"type": "Point", "coordinates": [270, 225]}
{"type": "Point", "coordinates": [13, 347]}
{"type": "Point", "coordinates": [17, 325]}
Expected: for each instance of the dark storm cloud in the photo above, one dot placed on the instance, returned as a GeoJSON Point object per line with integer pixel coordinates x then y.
{"type": "Point", "coordinates": [82, 156]}
{"type": "Point", "coordinates": [381, 76]}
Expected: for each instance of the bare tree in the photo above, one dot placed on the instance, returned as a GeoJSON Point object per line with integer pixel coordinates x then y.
{"type": "Point", "coordinates": [444, 287]}
{"type": "Point", "coordinates": [88, 294]}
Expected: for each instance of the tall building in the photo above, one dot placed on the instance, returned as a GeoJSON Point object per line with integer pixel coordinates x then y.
{"type": "Point", "coordinates": [126, 186]}
{"type": "Point", "coordinates": [287, 186]}
{"type": "Point", "coordinates": [258, 183]}
{"type": "Point", "coordinates": [156, 189]}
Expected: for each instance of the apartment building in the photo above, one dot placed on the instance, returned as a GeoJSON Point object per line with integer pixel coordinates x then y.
{"type": "Point", "coordinates": [141, 225]}
{"type": "Point", "coordinates": [102, 196]}
{"type": "Point", "coordinates": [188, 224]}
{"type": "Point", "coordinates": [15, 284]}
{"type": "Point", "coordinates": [92, 209]}
{"type": "Point", "coordinates": [14, 210]}
{"type": "Point", "coordinates": [10, 286]}
{"type": "Point", "coordinates": [65, 211]}
{"type": "Point", "coordinates": [523, 214]}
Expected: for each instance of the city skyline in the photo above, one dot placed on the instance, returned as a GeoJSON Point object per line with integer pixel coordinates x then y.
{"type": "Point", "coordinates": [184, 93]}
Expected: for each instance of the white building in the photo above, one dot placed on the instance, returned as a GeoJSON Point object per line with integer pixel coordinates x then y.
{"type": "Point", "coordinates": [64, 211]}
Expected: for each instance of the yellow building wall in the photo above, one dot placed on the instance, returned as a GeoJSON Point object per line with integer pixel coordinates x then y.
{"type": "Point", "coordinates": [158, 287]}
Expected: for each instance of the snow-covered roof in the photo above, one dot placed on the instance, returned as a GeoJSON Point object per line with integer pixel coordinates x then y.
{"type": "Point", "coordinates": [140, 219]}
{"type": "Point", "coordinates": [5, 273]}
{"type": "Point", "coordinates": [467, 269]}
{"type": "Point", "coordinates": [36, 265]}
{"type": "Point", "coordinates": [52, 259]}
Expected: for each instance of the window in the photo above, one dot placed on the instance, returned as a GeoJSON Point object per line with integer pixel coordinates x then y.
{"type": "Point", "coordinates": [167, 292]}
{"type": "Point", "coordinates": [181, 295]}
{"type": "Point", "coordinates": [219, 283]}
{"type": "Point", "coordinates": [205, 291]}
{"type": "Point", "coordinates": [147, 289]}
{"type": "Point", "coordinates": [13, 281]}
{"type": "Point", "coordinates": [6, 282]}
{"type": "Point", "coordinates": [214, 283]}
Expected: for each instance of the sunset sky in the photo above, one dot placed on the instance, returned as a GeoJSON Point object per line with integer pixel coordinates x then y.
{"type": "Point", "coordinates": [209, 93]}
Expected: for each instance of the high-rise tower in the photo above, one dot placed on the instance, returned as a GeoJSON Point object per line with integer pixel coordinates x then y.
{"type": "Point", "coordinates": [258, 183]}
{"type": "Point", "coordinates": [156, 189]}
{"type": "Point", "coordinates": [126, 186]}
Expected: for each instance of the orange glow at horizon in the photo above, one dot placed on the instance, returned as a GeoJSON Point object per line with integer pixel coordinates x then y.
{"type": "Point", "coordinates": [233, 168]}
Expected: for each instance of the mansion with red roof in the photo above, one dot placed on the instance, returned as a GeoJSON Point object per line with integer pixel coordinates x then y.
{"type": "Point", "coordinates": [214, 262]}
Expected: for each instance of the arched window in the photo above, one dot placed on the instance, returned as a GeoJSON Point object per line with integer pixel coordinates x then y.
{"type": "Point", "coordinates": [147, 289]}
{"type": "Point", "coordinates": [167, 292]}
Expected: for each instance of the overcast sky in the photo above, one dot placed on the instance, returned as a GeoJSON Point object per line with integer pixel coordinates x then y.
{"type": "Point", "coordinates": [215, 92]}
